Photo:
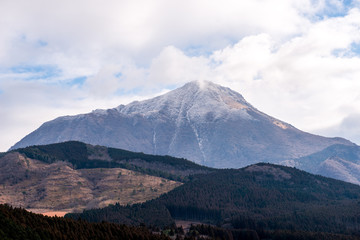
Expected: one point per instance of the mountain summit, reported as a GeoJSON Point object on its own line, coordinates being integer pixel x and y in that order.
{"type": "Point", "coordinates": [201, 121]}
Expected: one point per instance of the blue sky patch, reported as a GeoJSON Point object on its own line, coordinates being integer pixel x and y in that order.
{"type": "Point", "coordinates": [37, 71]}
{"type": "Point", "coordinates": [35, 43]}
{"type": "Point", "coordinates": [173, 86]}
{"type": "Point", "coordinates": [196, 51]}
{"type": "Point", "coordinates": [207, 50]}
{"type": "Point", "coordinates": [118, 75]}
{"type": "Point", "coordinates": [77, 81]}
{"type": "Point", "coordinates": [124, 92]}
{"type": "Point", "coordinates": [339, 52]}
{"type": "Point", "coordinates": [42, 43]}
{"type": "Point", "coordinates": [355, 48]}
{"type": "Point", "coordinates": [333, 10]}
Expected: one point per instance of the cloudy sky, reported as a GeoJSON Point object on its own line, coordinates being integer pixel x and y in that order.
{"type": "Point", "coordinates": [297, 60]}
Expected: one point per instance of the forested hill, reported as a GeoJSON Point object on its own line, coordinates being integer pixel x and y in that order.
{"type": "Point", "coordinates": [16, 223]}
{"type": "Point", "coordinates": [82, 155]}
{"type": "Point", "coordinates": [259, 197]}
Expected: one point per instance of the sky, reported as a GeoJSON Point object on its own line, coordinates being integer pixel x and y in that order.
{"type": "Point", "coordinates": [296, 60]}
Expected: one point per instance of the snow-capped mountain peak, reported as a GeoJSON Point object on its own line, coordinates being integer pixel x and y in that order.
{"type": "Point", "coordinates": [195, 99]}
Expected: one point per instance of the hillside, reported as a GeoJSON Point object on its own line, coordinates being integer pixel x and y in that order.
{"type": "Point", "coordinates": [16, 223]}
{"type": "Point", "coordinates": [72, 176]}
{"type": "Point", "coordinates": [259, 197]}
{"type": "Point", "coordinates": [81, 155]}
{"type": "Point", "coordinates": [58, 186]}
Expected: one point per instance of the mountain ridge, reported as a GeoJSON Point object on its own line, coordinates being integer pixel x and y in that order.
{"type": "Point", "coordinates": [201, 121]}
{"type": "Point", "coordinates": [337, 161]}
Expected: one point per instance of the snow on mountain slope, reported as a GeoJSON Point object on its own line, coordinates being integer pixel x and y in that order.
{"type": "Point", "coordinates": [201, 121]}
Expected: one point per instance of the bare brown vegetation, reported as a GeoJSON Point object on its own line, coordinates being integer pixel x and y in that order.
{"type": "Point", "coordinates": [42, 187]}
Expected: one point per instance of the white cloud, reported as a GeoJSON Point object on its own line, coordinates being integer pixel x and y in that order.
{"type": "Point", "coordinates": [104, 82]}
{"type": "Point", "coordinates": [138, 29]}
{"type": "Point", "coordinates": [290, 59]}
{"type": "Point", "coordinates": [173, 66]}
{"type": "Point", "coordinates": [348, 127]}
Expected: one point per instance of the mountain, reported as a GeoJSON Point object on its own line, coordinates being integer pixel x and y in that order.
{"type": "Point", "coordinates": [337, 161]}
{"type": "Point", "coordinates": [72, 176]}
{"type": "Point", "coordinates": [201, 121]}
{"type": "Point", "coordinates": [258, 197]}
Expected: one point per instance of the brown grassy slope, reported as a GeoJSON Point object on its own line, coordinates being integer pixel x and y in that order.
{"type": "Point", "coordinates": [46, 187]}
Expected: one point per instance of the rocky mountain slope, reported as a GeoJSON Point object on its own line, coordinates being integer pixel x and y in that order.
{"type": "Point", "coordinates": [337, 161]}
{"type": "Point", "coordinates": [201, 121]}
